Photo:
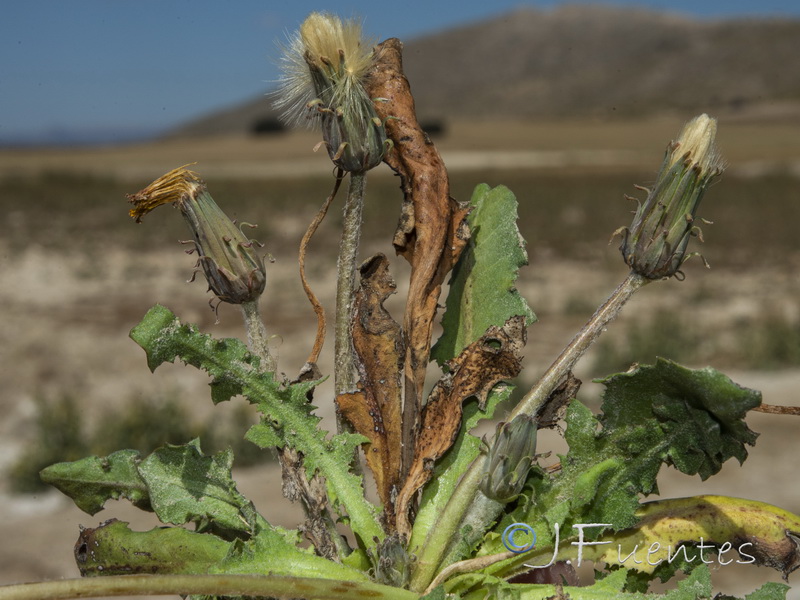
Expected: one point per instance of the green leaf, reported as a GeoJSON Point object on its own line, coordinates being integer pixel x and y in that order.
{"type": "Point", "coordinates": [653, 415]}
{"type": "Point", "coordinates": [187, 487]}
{"type": "Point", "coordinates": [701, 411]}
{"type": "Point", "coordinates": [482, 286]}
{"type": "Point", "coordinates": [91, 481]}
{"type": "Point", "coordinates": [113, 549]}
{"type": "Point", "coordinates": [697, 585]}
{"type": "Point", "coordinates": [287, 416]}
{"type": "Point", "coordinates": [436, 593]}
{"type": "Point", "coordinates": [769, 591]}
{"type": "Point", "coordinates": [164, 338]}
{"type": "Point", "coordinates": [271, 552]}
{"type": "Point", "coordinates": [664, 413]}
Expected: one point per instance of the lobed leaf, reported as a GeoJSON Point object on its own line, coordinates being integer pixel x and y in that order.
{"type": "Point", "coordinates": [287, 416]}
{"type": "Point", "coordinates": [188, 487]}
{"type": "Point", "coordinates": [484, 363]}
{"type": "Point", "coordinates": [375, 409]}
{"type": "Point", "coordinates": [700, 411]}
{"type": "Point", "coordinates": [653, 415]}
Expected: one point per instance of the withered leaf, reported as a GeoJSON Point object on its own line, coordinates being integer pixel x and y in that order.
{"type": "Point", "coordinates": [432, 231]}
{"type": "Point", "coordinates": [375, 410]}
{"type": "Point", "coordinates": [554, 409]}
{"type": "Point", "coordinates": [493, 358]}
{"type": "Point", "coordinates": [314, 498]}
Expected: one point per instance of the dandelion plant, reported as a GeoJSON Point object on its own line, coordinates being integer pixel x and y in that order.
{"type": "Point", "coordinates": [453, 516]}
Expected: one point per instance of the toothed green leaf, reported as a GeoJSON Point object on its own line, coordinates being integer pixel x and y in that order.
{"type": "Point", "coordinates": [653, 415]}
{"type": "Point", "coordinates": [482, 286]}
{"type": "Point", "coordinates": [187, 487]}
{"type": "Point", "coordinates": [287, 416]}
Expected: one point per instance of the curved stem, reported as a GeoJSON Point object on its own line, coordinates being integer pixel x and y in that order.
{"type": "Point", "coordinates": [454, 512]}
{"type": "Point", "coordinates": [212, 585]}
{"type": "Point", "coordinates": [313, 357]}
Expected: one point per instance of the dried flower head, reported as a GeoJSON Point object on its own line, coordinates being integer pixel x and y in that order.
{"type": "Point", "coordinates": [234, 270]}
{"type": "Point", "coordinates": [324, 67]}
{"type": "Point", "coordinates": [655, 244]}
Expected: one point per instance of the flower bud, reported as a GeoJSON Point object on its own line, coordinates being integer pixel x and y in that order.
{"type": "Point", "coordinates": [323, 79]}
{"type": "Point", "coordinates": [234, 270]}
{"type": "Point", "coordinates": [392, 562]}
{"type": "Point", "coordinates": [510, 459]}
{"type": "Point", "coordinates": [655, 244]}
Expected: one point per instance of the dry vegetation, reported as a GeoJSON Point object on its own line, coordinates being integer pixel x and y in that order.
{"type": "Point", "coordinates": [78, 274]}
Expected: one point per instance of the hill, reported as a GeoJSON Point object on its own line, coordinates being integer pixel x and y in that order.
{"type": "Point", "coordinates": [584, 60]}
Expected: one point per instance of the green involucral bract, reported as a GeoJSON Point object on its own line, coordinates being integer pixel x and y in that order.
{"type": "Point", "coordinates": [287, 416]}
{"type": "Point", "coordinates": [482, 286]}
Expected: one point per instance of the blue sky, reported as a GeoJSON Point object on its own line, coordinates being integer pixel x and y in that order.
{"type": "Point", "coordinates": [99, 67]}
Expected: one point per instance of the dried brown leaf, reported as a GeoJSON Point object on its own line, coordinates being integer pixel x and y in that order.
{"type": "Point", "coordinates": [375, 411]}
{"type": "Point", "coordinates": [493, 358]}
{"type": "Point", "coordinates": [313, 496]}
{"type": "Point", "coordinates": [432, 231]}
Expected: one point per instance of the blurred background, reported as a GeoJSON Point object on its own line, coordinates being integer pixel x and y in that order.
{"type": "Point", "coordinates": [569, 105]}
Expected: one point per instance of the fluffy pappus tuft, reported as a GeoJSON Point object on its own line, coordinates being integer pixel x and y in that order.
{"type": "Point", "coordinates": [325, 60]}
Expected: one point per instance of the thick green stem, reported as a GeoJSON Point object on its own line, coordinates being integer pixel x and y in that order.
{"type": "Point", "coordinates": [345, 374]}
{"type": "Point", "coordinates": [257, 338]}
{"type": "Point", "coordinates": [447, 525]}
{"type": "Point", "coordinates": [478, 518]}
{"type": "Point", "coordinates": [212, 585]}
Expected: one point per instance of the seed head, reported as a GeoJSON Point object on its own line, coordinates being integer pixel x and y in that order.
{"type": "Point", "coordinates": [234, 270]}
{"type": "Point", "coordinates": [655, 244]}
{"type": "Point", "coordinates": [324, 67]}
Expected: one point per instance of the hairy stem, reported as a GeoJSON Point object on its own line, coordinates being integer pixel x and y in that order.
{"type": "Point", "coordinates": [322, 529]}
{"type": "Point", "coordinates": [345, 374]}
{"type": "Point", "coordinates": [447, 525]}
{"type": "Point", "coordinates": [257, 338]}
{"type": "Point", "coordinates": [533, 401]}
{"type": "Point", "coordinates": [211, 585]}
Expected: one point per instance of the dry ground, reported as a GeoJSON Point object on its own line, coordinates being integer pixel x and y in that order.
{"type": "Point", "coordinates": [67, 308]}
